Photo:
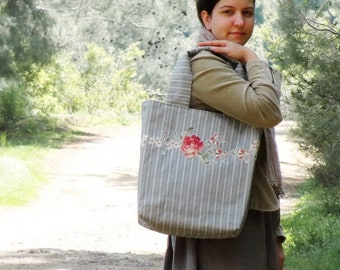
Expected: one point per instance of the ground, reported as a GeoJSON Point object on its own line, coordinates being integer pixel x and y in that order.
{"type": "Point", "coordinates": [86, 217]}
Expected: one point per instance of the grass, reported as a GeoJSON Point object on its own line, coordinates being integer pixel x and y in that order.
{"type": "Point", "coordinates": [313, 230]}
{"type": "Point", "coordinates": [21, 151]}
{"type": "Point", "coordinates": [20, 174]}
{"type": "Point", "coordinates": [42, 133]}
{"type": "Point", "coordinates": [319, 259]}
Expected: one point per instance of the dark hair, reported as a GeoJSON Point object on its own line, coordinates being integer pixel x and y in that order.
{"type": "Point", "coordinates": [207, 5]}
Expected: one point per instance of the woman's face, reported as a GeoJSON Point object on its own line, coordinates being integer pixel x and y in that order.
{"type": "Point", "coordinates": [232, 20]}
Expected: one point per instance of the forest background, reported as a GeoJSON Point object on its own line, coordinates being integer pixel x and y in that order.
{"type": "Point", "coordinates": [66, 62]}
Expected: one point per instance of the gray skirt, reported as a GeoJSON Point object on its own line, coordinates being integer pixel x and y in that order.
{"type": "Point", "coordinates": [254, 249]}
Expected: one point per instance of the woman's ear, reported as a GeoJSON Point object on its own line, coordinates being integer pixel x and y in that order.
{"type": "Point", "coordinates": [206, 19]}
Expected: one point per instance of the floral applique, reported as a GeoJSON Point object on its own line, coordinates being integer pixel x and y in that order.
{"type": "Point", "coordinates": [191, 145]}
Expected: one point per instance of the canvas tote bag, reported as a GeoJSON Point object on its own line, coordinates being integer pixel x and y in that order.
{"type": "Point", "coordinates": [196, 166]}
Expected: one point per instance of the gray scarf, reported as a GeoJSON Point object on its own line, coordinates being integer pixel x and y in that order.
{"type": "Point", "coordinates": [272, 164]}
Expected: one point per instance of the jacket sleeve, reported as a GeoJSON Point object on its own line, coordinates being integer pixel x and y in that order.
{"type": "Point", "coordinates": [281, 234]}
{"type": "Point", "coordinates": [217, 86]}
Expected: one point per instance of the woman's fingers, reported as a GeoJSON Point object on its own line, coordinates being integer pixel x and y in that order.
{"type": "Point", "coordinates": [231, 49]}
{"type": "Point", "coordinates": [217, 43]}
{"type": "Point", "coordinates": [217, 46]}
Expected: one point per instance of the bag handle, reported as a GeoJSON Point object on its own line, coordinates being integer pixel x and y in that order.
{"type": "Point", "coordinates": [180, 85]}
{"type": "Point", "coordinates": [179, 91]}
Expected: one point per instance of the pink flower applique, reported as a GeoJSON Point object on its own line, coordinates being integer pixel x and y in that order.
{"type": "Point", "coordinates": [192, 146]}
{"type": "Point", "coordinates": [219, 153]}
{"type": "Point", "coordinates": [242, 153]}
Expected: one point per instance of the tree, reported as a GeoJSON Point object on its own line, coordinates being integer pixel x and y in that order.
{"type": "Point", "coordinates": [109, 80]}
{"type": "Point", "coordinates": [307, 51]}
{"type": "Point", "coordinates": [25, 41]}
{"type": "Point", "coordinates": [25, 38]}
{"type": "Point", "coordinates": [163, 30]}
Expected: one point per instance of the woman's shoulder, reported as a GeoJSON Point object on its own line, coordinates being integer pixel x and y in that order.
{"type": "Point", "coordinates": [208, 58]}
{"type": "Point", "coordinates": [206, 54]}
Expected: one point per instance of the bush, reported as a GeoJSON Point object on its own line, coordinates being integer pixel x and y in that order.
{"type": "Point", "coordinates": [101, 84]}
{"type": "Point", "coordinates": [12, 106]}
{"type": "Point", "coordinates": [110, 81]}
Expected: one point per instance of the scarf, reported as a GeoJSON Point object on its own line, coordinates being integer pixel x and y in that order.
{"type": "Point", "coordinates": [272, 164]}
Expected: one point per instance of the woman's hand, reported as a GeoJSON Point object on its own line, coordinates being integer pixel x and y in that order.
{"type": "Point", "coordinates": [280, 253]}
{"type": "Point", "coordinates": [231, 49]}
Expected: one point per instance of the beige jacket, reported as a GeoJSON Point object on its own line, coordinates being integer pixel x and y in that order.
{"type": "Point", "coordinates": [217, 87]}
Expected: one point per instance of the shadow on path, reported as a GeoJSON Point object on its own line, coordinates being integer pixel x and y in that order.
{"type": "Point", "coordinates": [43, 259]}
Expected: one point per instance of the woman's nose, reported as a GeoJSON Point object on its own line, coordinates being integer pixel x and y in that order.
{"type": "Point", "coordinates": [239, 20]}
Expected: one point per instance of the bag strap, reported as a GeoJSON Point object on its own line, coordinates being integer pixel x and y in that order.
{"type": "Point", "coordinates": [180, 85]}
{"type": "Point", "coordinates": [179, 91]}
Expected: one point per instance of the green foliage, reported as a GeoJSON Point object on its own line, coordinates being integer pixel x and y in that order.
{"type": "Point", "coordinates": [163, 28]}
{"type": "Point", "coordinates": [25, 39]}
{"type": "Point", "coordinates": [12, 105]}
{"type": "Point", "coordinates": [127, 92]}
{"type": "Point", "coordinates": [313, 230]}
{"type": "Point", "coordinates": [170, 28]}
{"type": "Point", "coordinates": [321, 259]}
{"type": "Point", "coordinates": [103, 82]}
{"type": "Point", "coordinates": [71, 94]}
{"type": "Point", "coordinates": [109, 81]}
{"type": "Point", "coordinates": [3, 139]}
{"type": "Point", "coordinates": [43, 85]}
{"type": "Point", "coordinates": [307, 51]}
{"type": "Point", "coordinates": [25, 42]}
{"type": "Point", "coordinates": [99, 67]}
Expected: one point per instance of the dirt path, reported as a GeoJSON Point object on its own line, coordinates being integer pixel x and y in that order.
{"type": "Point", "coordinates": [85, 218]}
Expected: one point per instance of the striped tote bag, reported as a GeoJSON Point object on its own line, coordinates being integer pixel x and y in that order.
{"type": "Point", "coordinates": [196, 166]}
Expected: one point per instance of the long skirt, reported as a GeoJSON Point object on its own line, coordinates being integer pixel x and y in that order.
{"type": "Point", "coordinates": [254, 249]}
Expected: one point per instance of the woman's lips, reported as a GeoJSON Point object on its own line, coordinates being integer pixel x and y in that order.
{"type": "Point", "coordinates": [237, 33]}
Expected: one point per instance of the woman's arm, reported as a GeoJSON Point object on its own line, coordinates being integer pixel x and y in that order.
{"type": "Point", "coordinates": [216, 84]}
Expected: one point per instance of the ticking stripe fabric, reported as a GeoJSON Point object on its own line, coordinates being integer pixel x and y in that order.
{"type": "Point", "coordinates": [195, 167]}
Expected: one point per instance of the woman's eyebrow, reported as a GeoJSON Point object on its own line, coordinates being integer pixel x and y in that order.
{"type": "Point", "coordinates": [226, 6]}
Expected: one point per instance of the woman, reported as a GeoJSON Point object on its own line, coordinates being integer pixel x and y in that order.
{"type": "Point", "coordinates": [230, 78]}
